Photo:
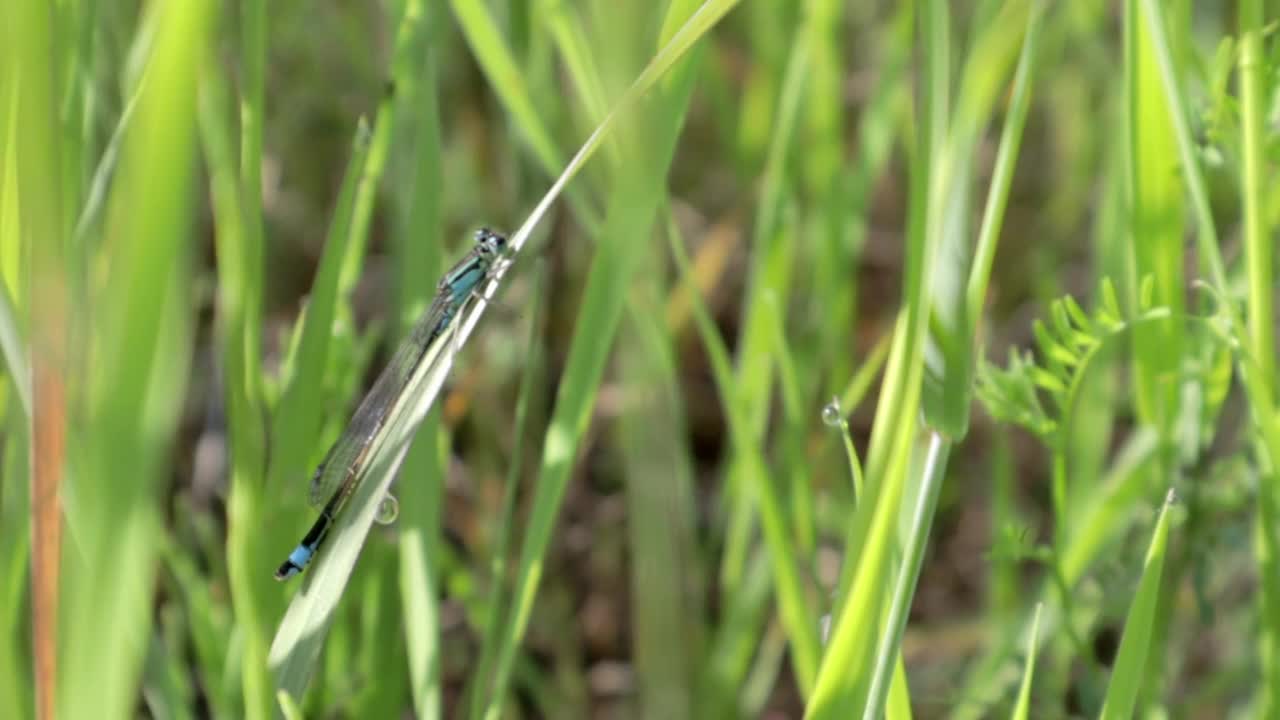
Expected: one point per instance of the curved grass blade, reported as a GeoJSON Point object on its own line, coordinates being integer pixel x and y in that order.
{"type": "Point", "coordinates": [925, 505]}
{"type": "Point", "coordinates": [298, 640]}
{"type": "Point", "coordinates": [498, 596]}
{"type": "Point", "coordinates": [1127, 676]}
{"type": "Point", "coordinates": [630, 214]}
{"type": "Point", "coordinates": [1024, 694]}
{"type": "Point", "coordinates": [297, 643]}
{"type": "Point", "coordinates": [294, 427]}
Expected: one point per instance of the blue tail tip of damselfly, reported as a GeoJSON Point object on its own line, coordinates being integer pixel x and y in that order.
{"type": "Point", "coordinates": [294, 564]}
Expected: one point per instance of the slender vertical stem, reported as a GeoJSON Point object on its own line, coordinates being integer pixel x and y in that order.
{"type": "Point", "coordinates": [1258, 262]}
{"type": "Point", "coordinates": [41, 218]}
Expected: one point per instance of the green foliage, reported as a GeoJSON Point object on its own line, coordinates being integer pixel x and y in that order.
{"type": "Point", "coordinates": [705, 448]}
{"type": "Point", "coordinates": [1020, 392]}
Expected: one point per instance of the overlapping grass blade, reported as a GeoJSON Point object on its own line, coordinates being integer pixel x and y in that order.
{"type": "Point", "coordinates": [419, 216]}
{"type": "Point", "coordinates": [1023, 707]}
{"type": "Point", "coordinates": [140, 345]}
{"type": "Point", "coordinates": [298, 640]}
{"type": "Point", "coordinates": [498, 600]}
{"type": "Point", "coordinates": [632, 207]}
{"type": "Point", "coordinates": [1130, 669]}
{"type": "Point", "coordinates": [843, 677]}
{"type": "Point", "coordinates": [239, 255]}
{"type": "Point", "coordinates": [296, 416]}
{"type": "Point", "coordinates": [799, 621]}
{"type": "Point", "coordinates": [932, 466]}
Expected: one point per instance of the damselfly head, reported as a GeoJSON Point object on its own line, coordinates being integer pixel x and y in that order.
{"type": "Point", "coordinates": [489, 242]}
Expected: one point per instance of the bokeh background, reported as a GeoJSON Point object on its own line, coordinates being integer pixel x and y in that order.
{"type": "Point", "coordinates": [671, 430]}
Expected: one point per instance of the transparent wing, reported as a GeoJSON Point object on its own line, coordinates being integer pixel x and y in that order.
{"type": "Point", "coordinates": [340, 467]}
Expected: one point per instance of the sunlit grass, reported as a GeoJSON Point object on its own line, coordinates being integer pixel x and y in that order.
{"type": "Point", "coordinates": [626, 488]}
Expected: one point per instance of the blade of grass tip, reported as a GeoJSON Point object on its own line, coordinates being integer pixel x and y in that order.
{"type": "Point", "coordinates": [833, 417]}
{"type": "Point", "coordinates": [1002, 174]}
{"type": "Point", "coordinates": [95, 201]}
{"type": "Point", "coordinates": [1131, 659]}
{"type": "Point", "coordinates": [296, 416]}
{"type": "Point", "coordinates": [1023, 706]}
{"type": "Point", "coordinates": [860, 383]}
{"type": "Point", "coordinates": [1102, 516]}
{"type": "Point", "coordinates": [679, 42]}
{"type": "Point", "coordinates": [405, 65]}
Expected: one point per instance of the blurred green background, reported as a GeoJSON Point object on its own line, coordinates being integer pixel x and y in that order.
{"type": "Point", "coordinates": [887, 359]}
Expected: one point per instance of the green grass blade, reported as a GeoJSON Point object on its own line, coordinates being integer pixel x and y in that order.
{"type": "Point", "coordinates": [503, 71]}
{"type": "Point", "coordinates": [37, 154]}
{"type": "Point", "coordinates": [1156, 197]}
{"type": "Point", "coordinates": [799, 621]}
{"type": "Point", "coordinates": [481, 690]}
{"type": "Point", "coordinates": [931, 472]}
{"type": "Point", "coordinates": [1130, 668]}
{"type": "Point", "coordinates": [1260, 269]}
{"type": "Point", "coordinates": [633, 205]}
{"type": "Point", "coordinates": [1002, 175]}
{"type": "Point", "coordinates": [16, 681]}
{"type": "Point", "coordinates": [843, 677]}
{"type": "Point", "coordinates": [406, 60]}
{"type": "Point", "coordinates": [298, 640]}
{"type": "Point", "coordinates": [141, 346]}
{"type": "Point", "coordinates": [421, 501]}
{"type": "Point", "coordinates": [296, 417]}
{"type": "Point", "coordinates": [948, 390]}
{"type": "Point", "coordinates": [239, 265]}
{"type": "Point", "coordinates": [773, 255]}
{"type": "Point", "coordinates": [1023, 707]}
